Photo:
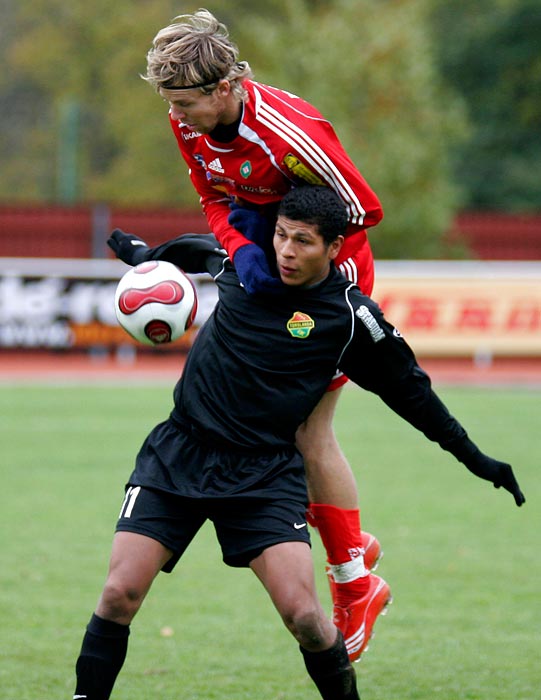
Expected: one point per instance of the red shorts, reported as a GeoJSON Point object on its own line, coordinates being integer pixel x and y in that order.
{"type": "Point", "coordinates": [356, 263]}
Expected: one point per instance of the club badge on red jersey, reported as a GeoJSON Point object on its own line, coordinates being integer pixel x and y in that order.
{"type": "Point", "coordinates": [246, 169]}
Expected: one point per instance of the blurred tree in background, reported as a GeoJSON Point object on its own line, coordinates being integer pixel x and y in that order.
{"type": "Point", "coordinates": [425, 95]}
{"type": "Point", "coordinates": [490, 53]}
{"type": "Point", "coordinates": [89, 54]}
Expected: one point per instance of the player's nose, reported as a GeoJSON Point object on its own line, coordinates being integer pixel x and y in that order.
{"type": "Point", "coordinates": [288, 249]}
{"type": "Point", "coordinates": [177, 113]}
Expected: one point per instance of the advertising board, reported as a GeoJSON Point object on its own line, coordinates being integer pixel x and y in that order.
{"type": "Point", "coordinates": [447, 309]}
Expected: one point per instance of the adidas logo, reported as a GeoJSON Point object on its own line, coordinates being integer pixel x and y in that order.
{"type": "Point", "coordinates": [216, 165]}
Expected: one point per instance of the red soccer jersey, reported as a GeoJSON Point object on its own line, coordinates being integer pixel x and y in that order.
{"type": "Point", "coordinates": [282, 141]}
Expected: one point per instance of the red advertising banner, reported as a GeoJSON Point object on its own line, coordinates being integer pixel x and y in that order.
{"type": "Point", "coordinates": [464, 309]}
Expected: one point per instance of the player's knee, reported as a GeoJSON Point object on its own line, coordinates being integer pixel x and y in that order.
{"type": "Point", "coordinates": [119, 601]}
{"type": "Point", "coordinates": [305, 625]}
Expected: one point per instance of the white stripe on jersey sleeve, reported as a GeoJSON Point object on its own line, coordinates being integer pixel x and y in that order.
{"type": "Point", "coordinates": [314, 155]}
{"type": "Point", "coordinates": [263, 88]}
{"type": "Point", "coordinates": [250, 135]}
{"type": "Point", "coordinates": [349, 270]}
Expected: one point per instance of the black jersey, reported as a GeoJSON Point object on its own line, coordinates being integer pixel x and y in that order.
{"type": "Point", "coordinates": [260, 364]}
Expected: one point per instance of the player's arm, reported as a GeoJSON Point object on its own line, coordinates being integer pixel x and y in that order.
{"type": "Point", "coordinates": [320, 159]}
{"type": "Point", "coordinates": [216, 209]}
{"type": "Point", "coordinates": [217, 212]}
{"type": "Point", "coordinates": [248, 257]}
{"type": "Point", "coordinates": [238, 231]}
{"type": "Point", "coordinates": [379, 360]}
{"type": "Point", "coordinates": [192, 252]}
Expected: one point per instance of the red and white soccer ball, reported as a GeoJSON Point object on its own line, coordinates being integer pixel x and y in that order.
{"type": "Point", "coordinates": [155, 302]}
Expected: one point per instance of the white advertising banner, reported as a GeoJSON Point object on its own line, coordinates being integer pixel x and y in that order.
{"type": "Point", "coordinates": [68, 304]}
{"type": "Point", "coordinates": [445, 309]}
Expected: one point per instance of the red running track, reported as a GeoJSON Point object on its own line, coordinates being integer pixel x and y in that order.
{"type": "Point", "coordinates": [68, 367]}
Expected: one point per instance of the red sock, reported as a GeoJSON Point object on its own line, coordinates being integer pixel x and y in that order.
{"type": "Point", "coordinates": [340, 532]}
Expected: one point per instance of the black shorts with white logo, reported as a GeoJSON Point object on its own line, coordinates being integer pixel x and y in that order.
{"type": "Point", "coordinates": [253, 501]}
{"type": "Point", "coordinates": [244, 529]}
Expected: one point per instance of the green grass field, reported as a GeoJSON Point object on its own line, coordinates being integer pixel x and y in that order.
{"type": "Point", "coordinates": [461, 558]}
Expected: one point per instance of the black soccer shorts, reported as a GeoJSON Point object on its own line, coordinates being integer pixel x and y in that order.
{"type": "Point", "coordinates": [244, 527]}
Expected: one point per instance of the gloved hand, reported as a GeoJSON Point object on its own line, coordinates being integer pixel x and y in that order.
{"type": "Point", "coordinates": [128, 247]}
{"type": "Point", "coordinates": [500, 473]}
{"type": "Point", "coordinates": [253, 271]}
{"type": "Point", "coordinates": [252, 224]}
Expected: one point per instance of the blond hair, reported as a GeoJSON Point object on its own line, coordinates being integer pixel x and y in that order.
{"type": "Point", "coordinates": [195, 50]}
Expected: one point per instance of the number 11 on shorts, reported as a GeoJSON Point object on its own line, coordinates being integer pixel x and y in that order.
{"type": "Point", "coordinates": [129, 501]}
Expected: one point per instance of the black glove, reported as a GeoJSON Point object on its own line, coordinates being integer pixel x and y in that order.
{"type": "Point", "coordinates": [499, 473]}
{"type": "Point", "coordinates": [253, 271]}
{"type": "Point", "coordinates": [129, 248]}
{"type": "Point", "coordinates": [252, 224]}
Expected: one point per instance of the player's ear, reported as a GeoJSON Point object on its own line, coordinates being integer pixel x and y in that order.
{"type": "Point", "coordinates": [335, 247]}
{"type": "Point", "coordinates": [223, 88]}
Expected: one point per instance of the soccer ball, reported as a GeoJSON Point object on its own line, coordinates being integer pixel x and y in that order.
{"type": "Point", "coordinates": [155, 302]}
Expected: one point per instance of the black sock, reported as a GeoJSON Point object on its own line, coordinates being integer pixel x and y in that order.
{"type": "Point", "coordinates": [332, 672]}
{"type": "Point", "coordinates": [102, 654]}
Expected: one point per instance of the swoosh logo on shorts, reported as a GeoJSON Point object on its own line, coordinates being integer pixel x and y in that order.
{"type": "Point", "coordinates": [298, 527]}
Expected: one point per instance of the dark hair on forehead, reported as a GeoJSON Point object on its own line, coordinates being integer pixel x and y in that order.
{"type": "Point", "coordinates": [318, 206]}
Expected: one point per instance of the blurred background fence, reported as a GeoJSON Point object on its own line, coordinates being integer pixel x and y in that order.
{"type": "Point", "coordinates": [46, 231]}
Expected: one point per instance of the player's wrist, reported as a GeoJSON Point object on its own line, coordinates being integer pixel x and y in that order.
{"type": "Point", "coordinates": [242, 248]}
{"type": "Point", "coordinates": [465, 450]}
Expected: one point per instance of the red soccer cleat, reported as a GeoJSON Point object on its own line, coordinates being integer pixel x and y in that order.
{"type": "Point", "coordinates": [357, 620]}
{"type": "Point", "coordinates": [372, 551]}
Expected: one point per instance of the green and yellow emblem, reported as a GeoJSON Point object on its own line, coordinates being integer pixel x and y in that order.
{"type": "Point", "coordinates": [246, 169]}
{"type": "Point", "coordinates": [300, 325]}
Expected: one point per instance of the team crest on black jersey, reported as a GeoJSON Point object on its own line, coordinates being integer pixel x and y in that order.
{"type": "Point", "coordinates": [300, 325]}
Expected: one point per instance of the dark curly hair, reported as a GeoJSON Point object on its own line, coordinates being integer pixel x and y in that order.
{"type": "Point", "coordinates": [319, 206]}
